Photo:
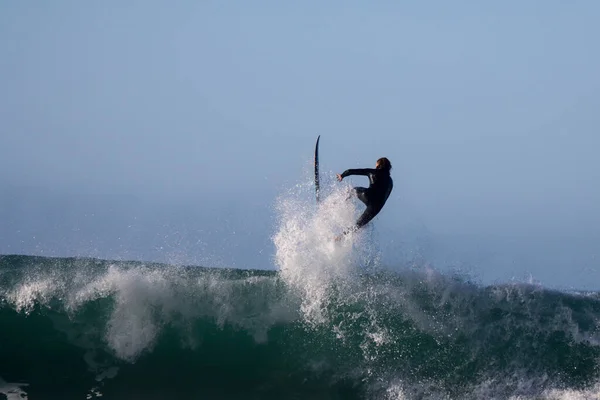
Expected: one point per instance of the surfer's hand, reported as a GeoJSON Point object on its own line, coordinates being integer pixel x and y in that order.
{"type": "Point", "coordinates": [339, 176]}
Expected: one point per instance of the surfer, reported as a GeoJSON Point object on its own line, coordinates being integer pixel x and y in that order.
{"type": "Point", "coordinates": [375, 195]}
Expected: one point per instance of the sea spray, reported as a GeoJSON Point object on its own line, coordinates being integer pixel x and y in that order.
{"type": "Point", "coordinates": [307, 255]}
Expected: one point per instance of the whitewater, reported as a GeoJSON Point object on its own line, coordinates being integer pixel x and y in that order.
{"type": "Point", "coordinates": [331, 322]}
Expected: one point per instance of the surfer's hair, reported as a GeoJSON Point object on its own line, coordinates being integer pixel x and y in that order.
{"type": "Point", "coordinates": [384, 163]}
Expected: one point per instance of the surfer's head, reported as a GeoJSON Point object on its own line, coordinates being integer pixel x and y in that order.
{"type": "Point", "coordinates": [383, 163]}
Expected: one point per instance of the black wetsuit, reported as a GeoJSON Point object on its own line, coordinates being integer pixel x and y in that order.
{"type": "Point", "coordinates": [374, 196]}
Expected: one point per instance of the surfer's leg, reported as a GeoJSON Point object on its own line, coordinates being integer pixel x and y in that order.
{"type": "Point", "coordinates": [369, 213]}
{"type": "Point", "coordinates": [361, 193]}
{"type": "Point", "coordinates": [366, 216]}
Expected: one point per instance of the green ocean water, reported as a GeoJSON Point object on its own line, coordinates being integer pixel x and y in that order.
{"type": "Point", "coordinates": [73, 328]}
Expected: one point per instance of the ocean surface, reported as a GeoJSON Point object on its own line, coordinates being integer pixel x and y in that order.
{"type": "Point", "coordinates": [330, 322]}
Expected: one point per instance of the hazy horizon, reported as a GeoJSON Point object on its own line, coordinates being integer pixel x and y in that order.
{"type": "Point", "coordinates": [192, 119]}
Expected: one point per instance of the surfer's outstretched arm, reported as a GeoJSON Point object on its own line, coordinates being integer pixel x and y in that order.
{"type": "Point", "coordinates": [361, 171]}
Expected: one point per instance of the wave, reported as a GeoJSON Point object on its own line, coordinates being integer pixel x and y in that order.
{"type": "Point", "coordinates": [329, 323]}
{"type": "Point", "coordinates": [73, 326]}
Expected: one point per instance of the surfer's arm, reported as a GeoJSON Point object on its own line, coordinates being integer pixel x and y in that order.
{"type": "Point", "coordinates": [362, 171]}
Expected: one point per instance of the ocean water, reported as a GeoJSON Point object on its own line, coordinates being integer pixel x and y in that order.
{"type": "Point", "coordinates": [331, 322]}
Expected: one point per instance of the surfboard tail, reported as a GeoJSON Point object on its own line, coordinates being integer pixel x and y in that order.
{"type": "Point", "coordinates": [317, 179]}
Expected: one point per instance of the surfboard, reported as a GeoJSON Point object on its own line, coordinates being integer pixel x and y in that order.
{"type": "Point", "coordinates": [317, 180]}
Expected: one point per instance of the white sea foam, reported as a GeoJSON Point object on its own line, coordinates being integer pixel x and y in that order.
{"type": "Point", "coordinates": [25, 296]}
{"type": "Point", "coordinates": [144, 300]}
{"type": "Point", "coordinates": [13, 391]}
{"type": "Point", "coordinates": [307, 255]}
{"type": "Point", "coordinates": [488, 390]}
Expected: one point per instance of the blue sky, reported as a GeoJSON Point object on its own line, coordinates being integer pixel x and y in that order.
{"type": "Point", "coordinates": [487, 112]}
